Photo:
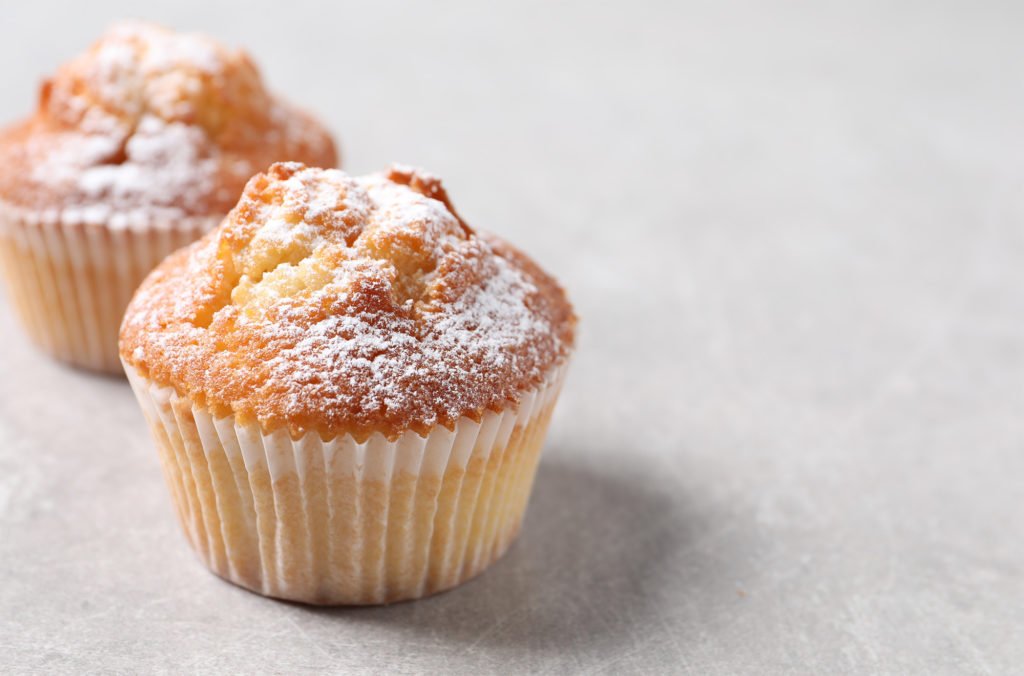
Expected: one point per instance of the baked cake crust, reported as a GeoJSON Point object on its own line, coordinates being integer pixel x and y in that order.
{"type": "Point", "coordinates": [335, 304]}
{"type": "Point", "coordinates": [151, 119]}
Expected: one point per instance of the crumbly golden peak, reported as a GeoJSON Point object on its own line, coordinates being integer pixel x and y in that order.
{"type": "Point", "coordinates": [348, 305]}
{"type": "Point", "coordinates": [149, 118]}
{"type": "Point", "coordinates": [139, 69]}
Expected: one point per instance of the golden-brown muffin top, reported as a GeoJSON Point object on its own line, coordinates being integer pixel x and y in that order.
{"type": "Point", "coordinates": [153, 120]}
{"type": "Point", "coordinates": [348, 305]}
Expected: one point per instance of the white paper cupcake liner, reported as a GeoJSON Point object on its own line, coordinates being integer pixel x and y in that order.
{"type": "Point", "coordinates": [70, 277]}
{"type": "Point", "coordinates": [343, 522]}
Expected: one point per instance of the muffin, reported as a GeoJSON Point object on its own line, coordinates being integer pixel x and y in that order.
{"type": "Point", "coordinates": [136, 148]}
{"type": "Point", "coordinates": [349, 387]}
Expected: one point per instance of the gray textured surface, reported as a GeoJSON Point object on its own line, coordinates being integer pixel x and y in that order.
{"type": "Point", "coordinates": [793, 437]}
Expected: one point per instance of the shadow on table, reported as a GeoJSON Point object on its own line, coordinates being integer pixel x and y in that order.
{"type": "Point", "coordinates": [593, 555]}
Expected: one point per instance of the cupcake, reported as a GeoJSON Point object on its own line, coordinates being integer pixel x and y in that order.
{"type": "Point", "coordinates": [137, 147]}
{"type": "Point", "coordinates": [348, 386]}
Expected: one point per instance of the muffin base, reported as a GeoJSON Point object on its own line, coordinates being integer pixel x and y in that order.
{"type": "Point", "coordinates": [70, 280]}
{"type": "Point", "coordinates": [342, 522]}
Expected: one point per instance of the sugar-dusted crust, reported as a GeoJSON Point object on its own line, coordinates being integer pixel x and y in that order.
{"type": "Point", "coordinates": [150, 119]}
{"type": "Point", "coordinates": [339, 305]}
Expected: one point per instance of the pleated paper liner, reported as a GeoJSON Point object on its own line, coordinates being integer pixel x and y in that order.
{"type": "Point", "coordinates": [340, 522]}
{"type": "Point", "coordinates": [70, 279]}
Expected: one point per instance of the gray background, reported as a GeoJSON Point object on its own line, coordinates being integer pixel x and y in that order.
{"type": "Point", "coordinates": [792, 438]}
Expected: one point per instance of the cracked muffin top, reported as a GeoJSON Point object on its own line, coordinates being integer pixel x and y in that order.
{"type": "Point", "coordinates": [337, 304]}
{"type": "Point", "coordinates": [150, 120]}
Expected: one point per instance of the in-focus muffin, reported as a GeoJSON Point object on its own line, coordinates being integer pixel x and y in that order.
{"type": "Point", "coordinates": [137, 147]}
{"type": "Point", "coordinates": [349, 387]}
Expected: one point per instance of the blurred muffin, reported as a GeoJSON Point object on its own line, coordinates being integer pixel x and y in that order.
{"type": "Point", "coordinates": [349, 387]}
{"type": "Point", "coordinates": [137, 147]}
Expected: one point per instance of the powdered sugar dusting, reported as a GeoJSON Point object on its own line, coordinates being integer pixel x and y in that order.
{"type": "Point", "coordinates": [405, 322]}
{"type": "Point", "coordinates": [138, 68]}
{"type": "Point", "coordinates": [161, 159]}
{"type": "Point", "coordinates": [379, 364]}
{"type": "Point", "coordinates": [153, 118]}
